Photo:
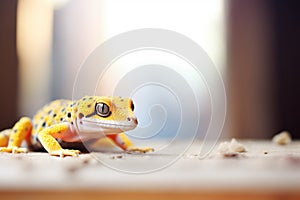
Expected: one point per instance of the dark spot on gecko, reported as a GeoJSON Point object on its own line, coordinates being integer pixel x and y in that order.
{"type": "Point", "coordinates": [69, 115]}
{"type": "Point", "coordinates": [63, 110]}
{"type": "Point", "coordinates": [44, 124]}
{"type": "Point", "coordinates": [72, 123]}
{"type": "Point", "coordinates": [49, 112]}
{"type": "Point", "coordinates": [84, 99]}
{"type": "Point", "coordinates": [89, 105]}
{"type": "Point", "coordinates": [122, 100]}
{"type": "Point", "coordinates": [91, 98]}
{"type": "Point", "coordinates": [54, 115]}
{"type": "Point", "coordinates": [15, 130]}
{"type": "Point", "coordinates": [61, 119]}
{"type": "Point", "coordinates": [80, 115]}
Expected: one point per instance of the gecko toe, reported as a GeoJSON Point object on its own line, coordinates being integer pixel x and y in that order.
{"type": "Point", "coordinates": [65, 152]}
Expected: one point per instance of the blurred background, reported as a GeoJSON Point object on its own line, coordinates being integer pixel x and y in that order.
{"type": "Point", "coordinates": [253, 44]}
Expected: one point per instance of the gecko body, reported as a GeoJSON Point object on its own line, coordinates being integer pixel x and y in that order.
{"type": "Point", "coordinates": [66, 121]}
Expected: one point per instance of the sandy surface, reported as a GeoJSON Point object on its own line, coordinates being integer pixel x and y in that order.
{"type": "Point", "coordinates": [264, 166]}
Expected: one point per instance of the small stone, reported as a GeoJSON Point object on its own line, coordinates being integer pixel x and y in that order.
{"type": "Point", "coordinates": [282, 138]}
{"type": "Point", "coordinates": [73, 168]}
{"type": "Point", "coordinates": [223, 147]}
{"type": "Point", "coordinates": [230, 154]}
{"type": "Point", "coordinates": [86, 161]}
{"type": "Point", "coordinates": [236, 147]}
{"type": "Point", "coordinates": [117, 156]}
{"type": "Point", "coordinates": [231, 149]}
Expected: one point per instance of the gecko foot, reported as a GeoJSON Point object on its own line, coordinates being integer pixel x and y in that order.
{"type": "Point", "coordinates": [65, 152]}
{"type": "Point", "coordinates": [139, 150]}
{"type": "Point", "coordinates": [13, 150]}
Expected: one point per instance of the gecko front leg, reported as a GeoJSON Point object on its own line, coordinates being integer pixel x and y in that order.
{"type": "Point", "coordinates": [47, 138]}
{"type": "Point", "coordinates": [122, 141]}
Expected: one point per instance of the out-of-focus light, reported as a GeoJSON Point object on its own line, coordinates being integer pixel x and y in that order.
{"type": "Point", "coordinates": [58, 4]}
{"type": "Point", "coordinates": [34, 46]}
{"type": "Point", "coordinates": [55, 4]}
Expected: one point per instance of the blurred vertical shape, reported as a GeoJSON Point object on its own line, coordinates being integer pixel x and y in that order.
{"type": "Point", "coordinates": [8, 63]}
{"type": "Point", "coordinates": [287, 64]}
{"type": "Point", "coordinates": [249, 69]}
{"type": "Point", "coordinates": [34, 44]}
{"type": "Point", "coordinates": [78, 28]}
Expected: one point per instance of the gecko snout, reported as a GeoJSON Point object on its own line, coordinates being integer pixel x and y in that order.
{"type": "Point", "coordinates": [132, 119]}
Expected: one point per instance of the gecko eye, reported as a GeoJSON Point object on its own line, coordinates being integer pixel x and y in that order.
{"type": "Point", "coordinates": [102, 110]}
{"type": "Point", "coordinates": [132, 106]}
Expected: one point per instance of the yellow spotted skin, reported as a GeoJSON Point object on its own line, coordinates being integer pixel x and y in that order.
{"type": "Point", "coordinates": [66, 121]}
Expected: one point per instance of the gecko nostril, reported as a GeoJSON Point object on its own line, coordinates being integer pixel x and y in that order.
{"type": "Point", "coordinates": [134, 119]}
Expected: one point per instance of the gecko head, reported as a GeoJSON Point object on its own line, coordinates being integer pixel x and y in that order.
{"type": "Point", "coordinates": [108, 115]}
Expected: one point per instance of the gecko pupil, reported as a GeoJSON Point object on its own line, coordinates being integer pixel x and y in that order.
{"type": "Point", "coordinates": [102, 109]}
{"type": "Point", "coordinates": [132, 106]}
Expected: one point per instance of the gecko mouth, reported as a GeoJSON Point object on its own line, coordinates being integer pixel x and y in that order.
{"type": "Point", "coordinates": [102, 125]}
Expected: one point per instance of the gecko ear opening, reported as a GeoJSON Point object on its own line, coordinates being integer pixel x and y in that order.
{"type": "Point", "coordinates": [102, 109]}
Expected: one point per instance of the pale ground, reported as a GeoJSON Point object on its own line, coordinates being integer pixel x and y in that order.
{"type": "Point", "coordinates": [264, 167]}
